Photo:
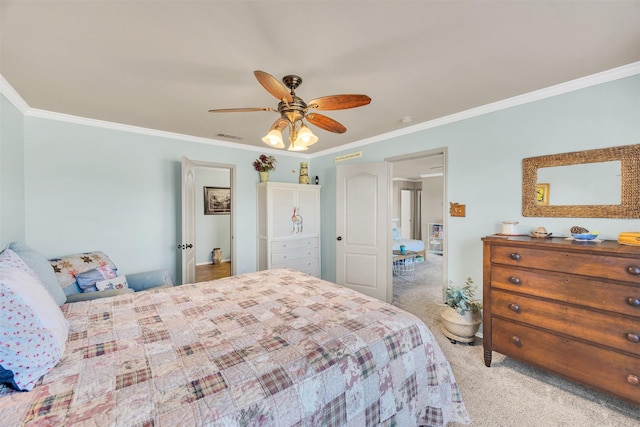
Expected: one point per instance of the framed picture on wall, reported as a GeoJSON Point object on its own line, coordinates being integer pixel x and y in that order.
{"type": "Point", "coordinates": [217, 200]}
{"type": "Point", "coordinates": [542, 194]}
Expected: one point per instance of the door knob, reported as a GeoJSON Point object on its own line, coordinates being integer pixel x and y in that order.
{"type": "Point", "coordinates": [339, 238]}
{"type": "Point", "coordinates": [189, 245]}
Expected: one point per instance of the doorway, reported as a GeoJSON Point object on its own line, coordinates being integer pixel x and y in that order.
{"type": "Point", "coordinates": [208, 201]}
{"type": "Point", "coordinates": [419, 200]}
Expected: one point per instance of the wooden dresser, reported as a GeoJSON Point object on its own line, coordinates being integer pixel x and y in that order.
{"type": "Point", "coordinates": [572, 308]}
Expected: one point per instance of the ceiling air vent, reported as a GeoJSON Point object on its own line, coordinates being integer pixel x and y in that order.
{"type": "Point", "coordinates": [224, 135]}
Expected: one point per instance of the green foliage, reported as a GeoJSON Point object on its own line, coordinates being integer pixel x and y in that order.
{"type": "Point", "coordinates": [461, 298]}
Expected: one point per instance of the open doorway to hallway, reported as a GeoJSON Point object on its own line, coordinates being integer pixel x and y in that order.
{"type": "Point", "coordinates": [419, 220]}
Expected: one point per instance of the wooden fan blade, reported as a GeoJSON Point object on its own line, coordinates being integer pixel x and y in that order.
{"type": "Point", "coordinates": [240, 110]}
{"type": "Point", "coordinates": [339, 102]}
{"type": "Point", "coordinates": [273, 86]}
{"type": "Point", "coordinates": [325, 123]}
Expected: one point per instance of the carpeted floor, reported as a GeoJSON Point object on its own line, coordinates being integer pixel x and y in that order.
{"type": "Point", "coordinates": [509, 393]}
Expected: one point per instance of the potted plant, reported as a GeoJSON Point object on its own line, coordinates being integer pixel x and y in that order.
{"type": "Point", "coordinates": [461, 316]}
{"type": "Point", "coordinates": [265, 164]}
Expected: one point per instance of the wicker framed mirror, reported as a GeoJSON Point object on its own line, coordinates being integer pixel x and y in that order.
{"type": "Point", "coordinates": [628, 157]}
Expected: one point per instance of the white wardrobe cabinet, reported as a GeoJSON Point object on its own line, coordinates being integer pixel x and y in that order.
{"type": "Point", "coordinates": [289, 227]}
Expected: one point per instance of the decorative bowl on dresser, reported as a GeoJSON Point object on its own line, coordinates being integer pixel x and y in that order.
{"type": "Point", "coordinates": [569, 307]}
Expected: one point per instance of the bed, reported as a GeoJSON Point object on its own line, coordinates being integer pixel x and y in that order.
{"type": "Point", "coordinates": [271, 348]}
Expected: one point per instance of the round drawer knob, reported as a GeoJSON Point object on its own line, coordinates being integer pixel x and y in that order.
{"type": "Point", "coordinates": [516, 340]}
{"type": "Point", "coordinates": [515, 256]}
{"type": "Point", "coordinates": [515, 280]}
{"type": "Point", "coordinates": [514, 307]}
{"type": "Point", "coordinates": [633, 269]}
{"type": "Point", "coordinates": [633, 379]}
{"type": "Point", "coordinates": [633, 301]}
{"type": "Point", "coordinates": [632, 337]}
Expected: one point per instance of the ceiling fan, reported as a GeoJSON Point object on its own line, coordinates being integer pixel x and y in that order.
{"type": "Point", "coordinates": [293, 110]}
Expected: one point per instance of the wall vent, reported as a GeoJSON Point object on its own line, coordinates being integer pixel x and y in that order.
{"type": "Point", "coordinates": [224, 135]}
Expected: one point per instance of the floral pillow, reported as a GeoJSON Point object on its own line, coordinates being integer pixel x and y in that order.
{"type": "Point", "coordinates": [34, 331]}
{"type": "Point", "coordinates": [119, 282]}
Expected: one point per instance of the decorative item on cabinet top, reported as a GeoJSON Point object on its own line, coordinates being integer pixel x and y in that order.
{"type": "Point", "coordinates": [304, 173]}
{"type": "Point", "coordinates": [265, 164]}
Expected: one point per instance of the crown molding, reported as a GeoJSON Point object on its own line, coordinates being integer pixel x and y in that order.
{"type": "Point", "coordinates": [14, 97]}
{"type": "Point", "coordinates": [595, 79]}
{"type": "Point", "coordinates": [548, 92]}
{"type": "Point", "coordinates": [44, 114]}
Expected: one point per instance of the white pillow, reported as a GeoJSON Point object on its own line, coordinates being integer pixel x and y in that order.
{"type": "Point", "coordinates": [28, 311]}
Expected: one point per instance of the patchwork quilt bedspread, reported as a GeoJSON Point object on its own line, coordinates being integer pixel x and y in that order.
{"type": "Point", "coordinates": [271, 348]}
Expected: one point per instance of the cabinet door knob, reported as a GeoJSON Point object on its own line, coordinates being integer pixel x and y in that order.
{"type": "Point", "coordinates": [515, 280]}
{"type": "Point", "coordinates": [514, 307]}
{"type": "Point", "coordinates": [515, 256]}
{"type": "Point", "coordinates": [632, 337]}
{"type": "Point", "coordinates": [633, 269]}
{"type": "Point", "coordinates": [339, 238]}
{"type": "Point", "coordinates": [516, 340]}
{"type": "Point", "coordinates": [633, 379]}
{"type": "Point", "coordinates": [633, 301]}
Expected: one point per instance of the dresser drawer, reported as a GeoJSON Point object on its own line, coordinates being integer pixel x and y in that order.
{"type": "Point", "coordinates": [284, 245]}
{"type": "Point", "coordinates": [602, 266]}
{"type": "Point", "coordinates": [619, 332]}
{"type": "Point", "coordinates": [289, 255]}
{"type": "Point", "coordinates": [590, 365]}
{"type": "Point", "coordinates": [312, 272]}
{"type": "Point", "coordinates": [298, 264]}
{"type": "Point", "coordinates": [568, 288]}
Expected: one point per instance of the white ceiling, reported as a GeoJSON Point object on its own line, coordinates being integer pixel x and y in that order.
{"type": "Point", "coordinates": [163, 64]}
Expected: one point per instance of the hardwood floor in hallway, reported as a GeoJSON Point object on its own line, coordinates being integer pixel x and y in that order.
{"type": "Point", "coordinates": [208, 272]}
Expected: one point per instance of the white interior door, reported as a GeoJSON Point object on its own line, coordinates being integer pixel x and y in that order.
{"type": "Point", "coordinates": [363, 226]}
{"type": "Point", "coordinates": [188, 243]}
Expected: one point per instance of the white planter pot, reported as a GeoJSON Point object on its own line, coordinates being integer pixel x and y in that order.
{"type": "Point", "coordinates": [460, 327]}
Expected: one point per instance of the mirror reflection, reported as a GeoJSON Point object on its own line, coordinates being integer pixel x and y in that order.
{"type": "Point", "coordinates": [583, 184]}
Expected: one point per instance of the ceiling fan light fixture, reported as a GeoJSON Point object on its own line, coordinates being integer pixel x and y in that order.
{"type": "Point", "coordinates": [305, 137]}
{"type": "Point", "coordinates": [294, 147]}
{"type": "Point", "coordinates": [274, 138]}
{"type": "Point", "coordinates": [293, 110]}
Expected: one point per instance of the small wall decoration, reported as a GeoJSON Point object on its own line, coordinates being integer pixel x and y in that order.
{"type": "Point", "coordinates": [542, 194]}
{"type": "Point", "coordinates": [456, 209]}
{"type": "Point", "coordinates": [217, 200]}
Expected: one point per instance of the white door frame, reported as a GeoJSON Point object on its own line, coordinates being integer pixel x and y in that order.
{"type": "Point", "coordinates": [445, 200]}
{"type": "Point", "coordinates": [190, 211]}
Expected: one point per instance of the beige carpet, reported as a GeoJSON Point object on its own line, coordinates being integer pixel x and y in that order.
{"type": "Point", "coordinates": [509, 393]}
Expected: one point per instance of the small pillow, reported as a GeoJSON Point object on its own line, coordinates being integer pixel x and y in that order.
{"type": "Point", "coordinates": [119, 282]}
{"type": "Point", "coordinates": [87, 280]}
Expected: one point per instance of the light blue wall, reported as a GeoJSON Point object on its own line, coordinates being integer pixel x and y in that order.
{"type": "Point", "coordinates": [88, 188]}
{"type": "Point", "coordinates": [484, 165]}
{"type": "Point", "coordinates": [91, 188]}
{"type": "Point", "coordinates": [12, 222]}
